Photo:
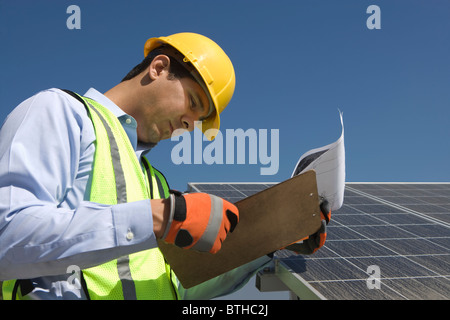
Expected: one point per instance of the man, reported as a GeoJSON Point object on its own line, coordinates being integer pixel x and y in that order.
{"type": "Point", "coordinates": [78, 195]}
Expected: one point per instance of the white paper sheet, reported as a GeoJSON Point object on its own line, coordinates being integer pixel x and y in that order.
{"type": "Point", "coordinates": [329, 164]}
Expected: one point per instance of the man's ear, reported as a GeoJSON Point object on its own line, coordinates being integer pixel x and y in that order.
{"type": "Point", "coordinates": [159, 65]}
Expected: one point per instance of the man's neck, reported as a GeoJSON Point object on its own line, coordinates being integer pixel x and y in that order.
{"type": "Point", "coordinates": [125, 95]}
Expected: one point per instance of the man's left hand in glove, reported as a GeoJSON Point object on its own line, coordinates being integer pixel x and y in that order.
{"type": "Point", "coordinates": [314, 242]}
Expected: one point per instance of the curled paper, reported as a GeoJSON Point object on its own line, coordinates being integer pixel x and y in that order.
{"type": "Point", "coordinates": [329, 164]}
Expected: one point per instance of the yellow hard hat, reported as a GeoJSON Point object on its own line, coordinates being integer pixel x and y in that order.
{"type": "Point", "coordinates": [213, 66]}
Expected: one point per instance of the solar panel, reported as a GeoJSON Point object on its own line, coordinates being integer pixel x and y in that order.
{"type": "Point", "coordinates": [232, 192]}
{"type": "Point", "coordinates": [388, 241]}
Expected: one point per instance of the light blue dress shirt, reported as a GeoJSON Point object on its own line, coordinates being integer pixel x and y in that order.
{"type": "Point", "coordinates": [47, 226]}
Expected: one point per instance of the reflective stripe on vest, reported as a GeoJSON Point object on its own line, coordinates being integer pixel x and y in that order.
{"type": "Point", "coordinates": [117, 177]}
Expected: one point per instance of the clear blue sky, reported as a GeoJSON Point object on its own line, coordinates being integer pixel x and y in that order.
{"type": "Point", "coordinates": [296, 63]}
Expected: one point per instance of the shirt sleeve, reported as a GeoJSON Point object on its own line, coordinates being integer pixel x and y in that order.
{"type": "Point", "coordinates": [46, 152]}
{"type": "Point", "coordinates": [226, 283]}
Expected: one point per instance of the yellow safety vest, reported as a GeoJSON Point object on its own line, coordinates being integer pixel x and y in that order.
{"type": "Point", "coordinates": [117, 177]}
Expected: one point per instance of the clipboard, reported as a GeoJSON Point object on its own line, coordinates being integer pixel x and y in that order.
{"type": "Point", "coordinates": [268, 220]}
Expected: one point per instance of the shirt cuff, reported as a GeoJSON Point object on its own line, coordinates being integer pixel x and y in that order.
{"type": "Point", "coordinates": [134, 224]}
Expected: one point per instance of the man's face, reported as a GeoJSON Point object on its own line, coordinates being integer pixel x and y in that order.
{"type": "Point", "coordinates": [173, 104]}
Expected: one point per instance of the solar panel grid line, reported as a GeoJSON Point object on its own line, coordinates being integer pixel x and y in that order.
{"type": "Point", "coordinates": [402, 227]}
{"type": "Point", "coordinates": [386, 281]}
{"type": "Point", "coordinates": [382, 239]}
{"type": "Point", "coordinates": [361, 264]}
{"type": "Point", "coordinates": [417, 236]}
{"type": "Point", "coordinates": [414, 236]}
{"type": "Point", "coordinates": [394, 254]}
{"type": "Point", "coordinates": [384, 278]}
{"type": "Point", "coordinates": [322, 285]}
{"type": "Point", "coordinates": [388, 256]}
{"type": "Point", "coordinates": [431, 288]}
{"type": "Point", "coordinates": [387, 225]}
{"type": "Point", "coordinates": [391, 282]}
{"type": "Point", "coordinates": [402, 184]}
{"type": "Point", "coordinates": [432, 229]}
{"type": "Point", "coordinates": [397, 253]}
{"type": "Point", "coordinates": [400, 207]}
{"type": "Point", "coordinates": [347, 259]}
{"type": "Point", "coordinates": [364, 278]}
{"type": "Point", "coordinates": [243, 194]}
{"type": "Point", "coordinates": [231, 191]}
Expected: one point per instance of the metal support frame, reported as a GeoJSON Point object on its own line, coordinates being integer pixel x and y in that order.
{"type": "Point", "coordinates": [279, 277]}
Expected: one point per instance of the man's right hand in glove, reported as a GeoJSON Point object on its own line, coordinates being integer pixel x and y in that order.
{"type": "Point", "coordinates": [199, 221]}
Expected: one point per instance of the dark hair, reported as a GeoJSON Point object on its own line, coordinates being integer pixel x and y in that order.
{"type": "Point", "coordinates": [177, 69]}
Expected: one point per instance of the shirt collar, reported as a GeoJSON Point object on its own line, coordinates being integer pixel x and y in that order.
{"type": "Point", "coordinates": [104, 101]}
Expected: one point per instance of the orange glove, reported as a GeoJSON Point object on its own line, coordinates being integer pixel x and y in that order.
{"type": "Point", "coordinates": [314, 242]}
{"type": "Point", "coordinates": [199, 221]}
